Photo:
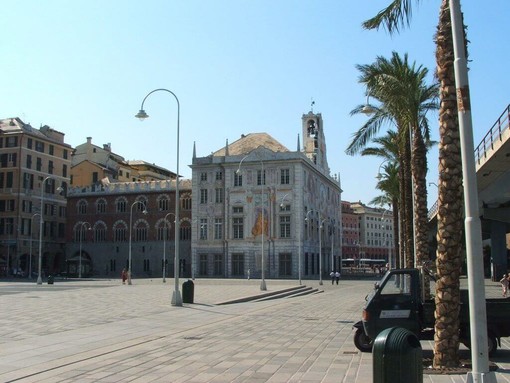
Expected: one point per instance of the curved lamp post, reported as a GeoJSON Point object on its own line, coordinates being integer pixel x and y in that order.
{"type": "Point", "coordinates": [41, 221]}
{"type": "Point", "coordinates": [164, 245]}
{"type": "Point", "coordinates": [130, 231]}
{"type": "Point", "coordinates": [176, 297]}
{"type": "Point", "coordinates": [82, 224]}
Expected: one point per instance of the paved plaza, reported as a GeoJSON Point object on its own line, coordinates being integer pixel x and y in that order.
{"type": "Point", "coordinates": [103, 331]}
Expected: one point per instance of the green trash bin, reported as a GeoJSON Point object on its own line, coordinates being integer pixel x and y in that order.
{"type": "Point", "coordinates": [188, 290]}
{"type": "Point", "coordinates": [397, 357]}
{"type": "Point", "coordinates": [51, 279]}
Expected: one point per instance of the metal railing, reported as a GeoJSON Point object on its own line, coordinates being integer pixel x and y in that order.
{"type": "Point", "coordinates": [494, 134]}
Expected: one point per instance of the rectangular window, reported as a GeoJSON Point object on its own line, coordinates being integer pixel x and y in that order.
{"type": "Point", "coordinates": [218, 265]}
{"type": "Point", "coordinates": [285, 176]}
{"type": "Point", "coordinates": [238, 179]}
{"type": "Point", "coordinates": [218, 228]}
{"type": "Point", "coordinates": [50, 167]}
{"type": "Point", "coordinates": [237, 264]}
{"type": "Point", "coordinates": [203, 176]}
{"type": "Point", "coordinates": [203, 196]}
{"type": "Point", "coordinates": [65, 154]}
{"type": "Point", "coordinates": [237, 210]}
{"type": "Point", "coordinates": [219, 195]}
{"type": "Point", "coordinates": [285, 265]}
{"type": "Point", "coordinates": [29, 161]}
{"type": "Point", "coordinates": [9, 180]}
{"type": "Point", "coordinates": [219, 175]}
{"type": "Point", "coordinates": [202, 270]}
{"type": "Point", "coordinates": [51, 150]}
{"type": "Point", "coordinates": [285, 226]}
{"type": "Point", "coordinates": [11, 142]}
{"type": "Point", "coordinates": [261, 177]}
{"type": "Point", "coordinates": [29, 143]}
{"type": "Point", "coordinates": [38, 165]}
{"type": "Point", "coordinates": [238, 228]}
{"type": "Point", "coordinates": [64, 170]}
{"type": "Point", "coordinates": [39, 146]}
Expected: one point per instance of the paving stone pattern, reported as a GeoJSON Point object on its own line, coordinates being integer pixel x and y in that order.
{"type": "Point", "coordinates": [103, 331]}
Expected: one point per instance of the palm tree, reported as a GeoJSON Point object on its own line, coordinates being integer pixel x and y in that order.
{"type": "Point", "coordinates": [388, 182]}
{"type": "Point", "coordinates": [400, 87]}
{"type": "Point", "coordinates": [396, 15]}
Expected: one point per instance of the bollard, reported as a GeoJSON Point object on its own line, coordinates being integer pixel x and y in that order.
{"type": "Point", "coordinates": [188, 290]}
{"type": "Point", "coordinates": [397, 357]}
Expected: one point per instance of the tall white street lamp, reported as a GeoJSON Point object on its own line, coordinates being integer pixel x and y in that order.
{"type": "Point", "coordinates": [321, 222]}
{"type": "Point", "coordinates": [144, 211]}
{"type": "Point", "coordinates": [164, 245]}
{"type": "Point", "coordinates": [263, 286]}
{"type": "Point", "coordinates": [31, 240]}
{"type": "Point", "coordinates": [41, 221]}
{"type": "Point", "coordinates": [473, 227]}
{"type": "Point", "coordinates": [176, 297]}
{"type": "Point", "coordinates": [82, 225]}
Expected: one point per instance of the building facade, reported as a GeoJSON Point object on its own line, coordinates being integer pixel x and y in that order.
{"type": "Point", "coordinates": [351, 245]}
{"type": "Point", "coordinates": [256, 203]}
{"type": "Point", "coordinates": [376, 232]}
{"type": "Point", "coordinates": [110, 224]}
{"type": "Point", "coordinates": [34, 176]}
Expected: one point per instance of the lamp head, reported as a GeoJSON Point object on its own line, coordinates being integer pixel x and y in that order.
{"type": "Point", "coordinates": [141, 115]}
{"type": "Point", "coordinates": [238, 171]}
{"type": "Point", "coordinates": [145, 211]}
{"type": "Point", "coordinates": [368, 110]}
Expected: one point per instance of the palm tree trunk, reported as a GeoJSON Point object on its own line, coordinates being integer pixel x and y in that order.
{"type": "Point", "coordinates": [396, 232]}
{"type": "Point", "coordinates": [419, 172]}
{"type": "Point", "coordinates": [402, 211]}
{"type": "Point", "coordinates": [408, 204]}
{"type": "Point", "coordinates": [450, 216]}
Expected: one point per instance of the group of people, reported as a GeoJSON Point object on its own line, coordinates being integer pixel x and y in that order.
{"type": "Point", "coordinates": [505, 282]}
{"type": "Point", "coordinates": [335, 276]}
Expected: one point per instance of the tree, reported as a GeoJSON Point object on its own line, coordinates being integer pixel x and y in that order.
{"type": "Point", "coordinates": [405, 101]}
{"type": "Point", "coordinates": [393, 17]}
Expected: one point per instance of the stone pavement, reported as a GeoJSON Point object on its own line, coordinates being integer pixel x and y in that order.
{"type": "Point", "coordinates": [103, 331]}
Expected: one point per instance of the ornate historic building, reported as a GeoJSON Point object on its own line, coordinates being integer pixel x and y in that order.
{"type": "Point", "coordinates": [255, 198]}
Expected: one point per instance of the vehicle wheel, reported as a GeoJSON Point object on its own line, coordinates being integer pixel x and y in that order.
{"type": "Point", "coordinates": [362, 341]}
{"type": "Point", "coordinates": [493, 345]}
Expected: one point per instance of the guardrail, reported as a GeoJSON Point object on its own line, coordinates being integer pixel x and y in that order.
{"type": "Point", "coordinates": [494, 133]}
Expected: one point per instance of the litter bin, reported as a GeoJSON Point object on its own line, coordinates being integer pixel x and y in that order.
{"type": "Point", "coordinates": [397, 357]}
{"type": "Point", "coordinates": [188, 290]}
{"type": "Point", "coordinates": [51, 279]}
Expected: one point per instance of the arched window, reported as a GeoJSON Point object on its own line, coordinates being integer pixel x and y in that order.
{"type": "Point", "coordinates": [101, 205]}
{"type": "Point", "coordinates": [120, 205]}
{"type": "Point", "coordinates": [143, 205]}
{"type": "Point", "coordinates": [120, 231]}
{"type": "Point", "coordinates": [141, 229]}
{"type": "Point", "coordinates": [100, 232]}
{"type": "Point", "coordinates": [82, 206]}
{"type": "Point", "coordinates": [164, 230]}
{"type": "Point", "coordinates": [163, 203]}
{"type": "Point", "coordinates": [186, 202]}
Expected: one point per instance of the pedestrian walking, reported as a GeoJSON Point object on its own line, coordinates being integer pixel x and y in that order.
{"type": "Point", "coordinates": [124, 276]}
{"type": "Point", "coordinates": [337, 276]}
{"type": "Point", "coordinates": [504, 284]}
{"type": "Point", "coordinates": [249, 272]}
{"type": "Point", "coordinates": [332, 275]}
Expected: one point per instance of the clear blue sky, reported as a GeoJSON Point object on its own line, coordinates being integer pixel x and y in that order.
{"type": "Point", "coordinates": [84, 66]}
